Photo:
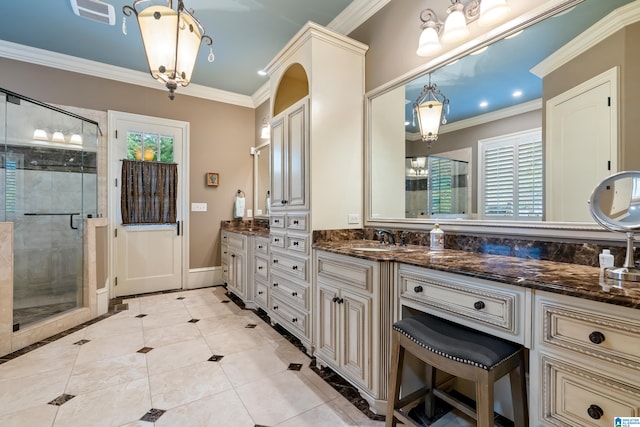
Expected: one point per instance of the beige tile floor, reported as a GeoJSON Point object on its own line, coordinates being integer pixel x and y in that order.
{"type": "Point", "coordinates": [114, 384]}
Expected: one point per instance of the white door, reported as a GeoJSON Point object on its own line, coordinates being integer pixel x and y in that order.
{"type": "Point", "coordinates": [581, 146]}
{"type": "Point", "coordinates": [146, 258]}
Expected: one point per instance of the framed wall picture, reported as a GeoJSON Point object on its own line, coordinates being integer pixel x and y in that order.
{"type": "Point", "coordinates": [213, 179]}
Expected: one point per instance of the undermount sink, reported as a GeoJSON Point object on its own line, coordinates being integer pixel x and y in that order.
{"type": "Point", "coordinates": [373, 249]}
{"type": "Point", "coordinates": [385, 249]}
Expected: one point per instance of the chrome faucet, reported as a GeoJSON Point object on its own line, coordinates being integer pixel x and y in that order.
{"type": "Point", "coordinates": [390, 238]}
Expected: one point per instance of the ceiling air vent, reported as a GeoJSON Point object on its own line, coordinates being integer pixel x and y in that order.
{"type": "Point", "coordinates": [95, 10]}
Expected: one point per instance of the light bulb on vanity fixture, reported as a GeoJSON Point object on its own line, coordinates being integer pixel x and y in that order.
{"type": "Point", "coordinates": [455, 28]}
{"type": "Point", "coordinates": [265, 132]}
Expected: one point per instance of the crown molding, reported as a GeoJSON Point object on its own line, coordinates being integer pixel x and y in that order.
{"type": "Point", "coordinates": [606, 27]}
{"type": "Point", "coordinates": [261, 95]}
{"type": "Point", "coordinates": [504, 113]}
{"type": "Point", "coordinates": [60, 61]}
{"type": "Point", "coordinates": [355, 15]}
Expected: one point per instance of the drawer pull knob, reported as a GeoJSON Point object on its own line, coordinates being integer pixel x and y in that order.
{"type": "Point", "coordinates": [296, 243]}
{"type": "Point", "coordinates": [294, 294]}
{"type": "Point", "coordinates": [596, 337]}
{"type": "Point", "coordinates": [260, 268]}
{"type": "Point", "coordinates": [418, 289]}
{"type": "Point", "coordinates": [340, 301]}
{"type": "Point", "coordinates": [233, 255]}
{"type": "Point", "coordinates": [260, 246]}
{"type": "Point", "coordinates": [260, 292]}
{"type": "Point", "coordinates": [595, 412]}
{"type": "Point", "coordinates": [295, 221]}
{"type": "Point", "coordinates": [276, 221]}
{"type": "Point", "coordinates": [276, 240]}
{"type": "Point", "coordinates": [275, 261]}
{"type": "Point", "coordinates": [275, 285]}
{"type": "Point", "coordinates": [295, 267]}
{"type": "Point", "coordinates": [275, 307]}
{"type": "Point", "coordinates": [335, 299]}
{"type": "Point", "coordinates": [294, 320]}
{"type": "Point", "coordinates": [478, 305]}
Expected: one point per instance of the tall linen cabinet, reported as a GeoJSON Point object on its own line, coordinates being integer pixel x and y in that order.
{"type": "Point", "coordinates": [316, 104]}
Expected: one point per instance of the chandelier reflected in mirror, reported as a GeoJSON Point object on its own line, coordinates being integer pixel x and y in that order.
{"type": "Point", "coordinates": [431, 109]}
{"type": "Point", "coordinates": [171, 41]}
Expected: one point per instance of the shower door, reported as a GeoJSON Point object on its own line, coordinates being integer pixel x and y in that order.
{"type": "Point", "coordinates": [49, 186]}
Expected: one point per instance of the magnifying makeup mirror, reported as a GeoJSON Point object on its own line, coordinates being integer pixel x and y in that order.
{"type": "Point", "coordinates": [615, 204]}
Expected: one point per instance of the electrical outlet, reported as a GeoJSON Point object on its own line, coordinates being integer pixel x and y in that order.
{"type": "Point", "coordinates": [353, 219]}
{"type": "Point", "coordinates": [198, 207]}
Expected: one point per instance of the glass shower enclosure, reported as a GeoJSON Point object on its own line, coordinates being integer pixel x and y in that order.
{"type": "Point", "coordinates": [48, 160]}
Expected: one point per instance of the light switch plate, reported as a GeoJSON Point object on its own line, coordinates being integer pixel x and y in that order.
{"type": "Point", "coordinates": [198, 207]}
{"type": "Point", "coordinates": [353, 219]}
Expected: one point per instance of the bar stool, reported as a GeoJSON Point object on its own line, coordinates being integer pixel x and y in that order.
{"type": "Point", "coordinates": [463, 353]}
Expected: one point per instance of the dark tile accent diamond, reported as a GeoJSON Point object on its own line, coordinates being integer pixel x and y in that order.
{"type": "Point", "coordinates": [194, 320]}
{"type": "Point", "coordinates": [295, 366]}
{"type": "Point", "coordinates": [140, 316]}
{"type": "Point", "coordinates": [62, 399]}
{"type": "Point", "coordinates": [152, 415]}
{"type": "Point", "coordinates": [251, 325]}
{"type": "Point", "coordinates": [215, 358]}
{"type": "Point", "coordinates": [145, 350]}
{"type": "Point", "coordinates": [180, 298]}
{"type": "Point", "coordinates": [81, 342]}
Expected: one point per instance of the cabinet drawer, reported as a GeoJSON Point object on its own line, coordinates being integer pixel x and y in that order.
{"type": "Point", "coordinates": [261, 266]}
{"type": "Point", "coordinates": [574, 396]}
{"type": "Point", "coordinates": [461, 298]}
{"type": "Point", "coordinates": [276, 221]}
{"type": "Point", "coordinates": [261, 246]}
{"type": "Point", "coordinates": [278, 240]}
{"type": "Point", "coordinates": [295, 267]}
{"type": "Point", "coordinates": [235, 240]}
{"type": "Point", "coordinates": [592, 333]}
{"type": "Point", "coordinates": [262, 295]}
{"type": "Point", "coordinates": [295, 294]}
{"type": "Point", "coordinates": [297, 222]}
{"type": "Point", "coordinates": [290, 317]}
{"type": "Point", "coordinates": [348, 271]}
{"type": "Point", "coordinates": [297, 243]}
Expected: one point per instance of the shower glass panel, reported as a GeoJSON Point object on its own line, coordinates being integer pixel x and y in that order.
{"type": "Point", "coordinates": [49, 176]}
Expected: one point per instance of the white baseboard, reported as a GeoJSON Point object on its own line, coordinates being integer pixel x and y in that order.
{"type": "Point", "coordinates": [203, 277]}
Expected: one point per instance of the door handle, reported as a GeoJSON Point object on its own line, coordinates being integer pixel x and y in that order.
{"type": "Point", "coordinates": [178, 227]}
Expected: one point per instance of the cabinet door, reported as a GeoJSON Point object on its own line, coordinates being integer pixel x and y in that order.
{"type": "Point", "coordinates": [356, 330]}
{"type": "Point", "coordinates": [327, 322]}
{"type": "Point", "coordinates": [278, 164]}
{"type": "Point", "coordinates": [236, 274]}
{"type": "Point", "coordinates": [297, 145]}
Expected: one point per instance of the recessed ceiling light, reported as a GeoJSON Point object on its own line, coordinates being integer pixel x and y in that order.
{"type": "Point", "coordinates": [262, 72]}
{"type": "Point", "coordinates": [517, 93]}
{"type": "Point", "coordinates": [479, 51]}
{"type": "Point", "coordinates": [484, 104]}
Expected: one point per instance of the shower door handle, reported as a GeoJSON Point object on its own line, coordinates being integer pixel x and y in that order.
{"type": "Point", "coordinates": [71, 221]}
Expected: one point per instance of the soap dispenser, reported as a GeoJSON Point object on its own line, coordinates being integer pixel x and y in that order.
{"type": "Point", "coordinates": [436, 238]}
{"type": "Point", "coordinates": [606, 259]}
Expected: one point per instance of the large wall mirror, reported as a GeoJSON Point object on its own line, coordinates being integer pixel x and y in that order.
{"type": "Point", "coordinates": [504, 155]}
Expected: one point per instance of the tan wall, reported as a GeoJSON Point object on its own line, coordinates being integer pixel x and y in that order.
{"type": "Point", "coordinates": [618, 50]}
{"type": "Point", "coordinates": [221, 135]}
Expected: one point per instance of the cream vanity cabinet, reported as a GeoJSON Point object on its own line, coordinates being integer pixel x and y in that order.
{"type": "Point", "coordinates": [316, 103]}
{"type": "Point", "coordinates": [352, 318]}
{"type": "Point", "coordinates": [585, 363]}
{"type": "Point", "coordinates": [235, 249]}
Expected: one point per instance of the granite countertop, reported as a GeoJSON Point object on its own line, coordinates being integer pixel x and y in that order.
{"type": "Point", "coordinates": [247, 228]}
{"type": "Point", "coordinates": [562, 278]}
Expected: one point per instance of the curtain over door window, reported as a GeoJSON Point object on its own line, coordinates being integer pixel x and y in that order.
{"type": "Point", "coordinates": [149, 191]}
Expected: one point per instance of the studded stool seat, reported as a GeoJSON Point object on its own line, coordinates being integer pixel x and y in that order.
{"type": "Point", "coordinates": [463, 353]}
